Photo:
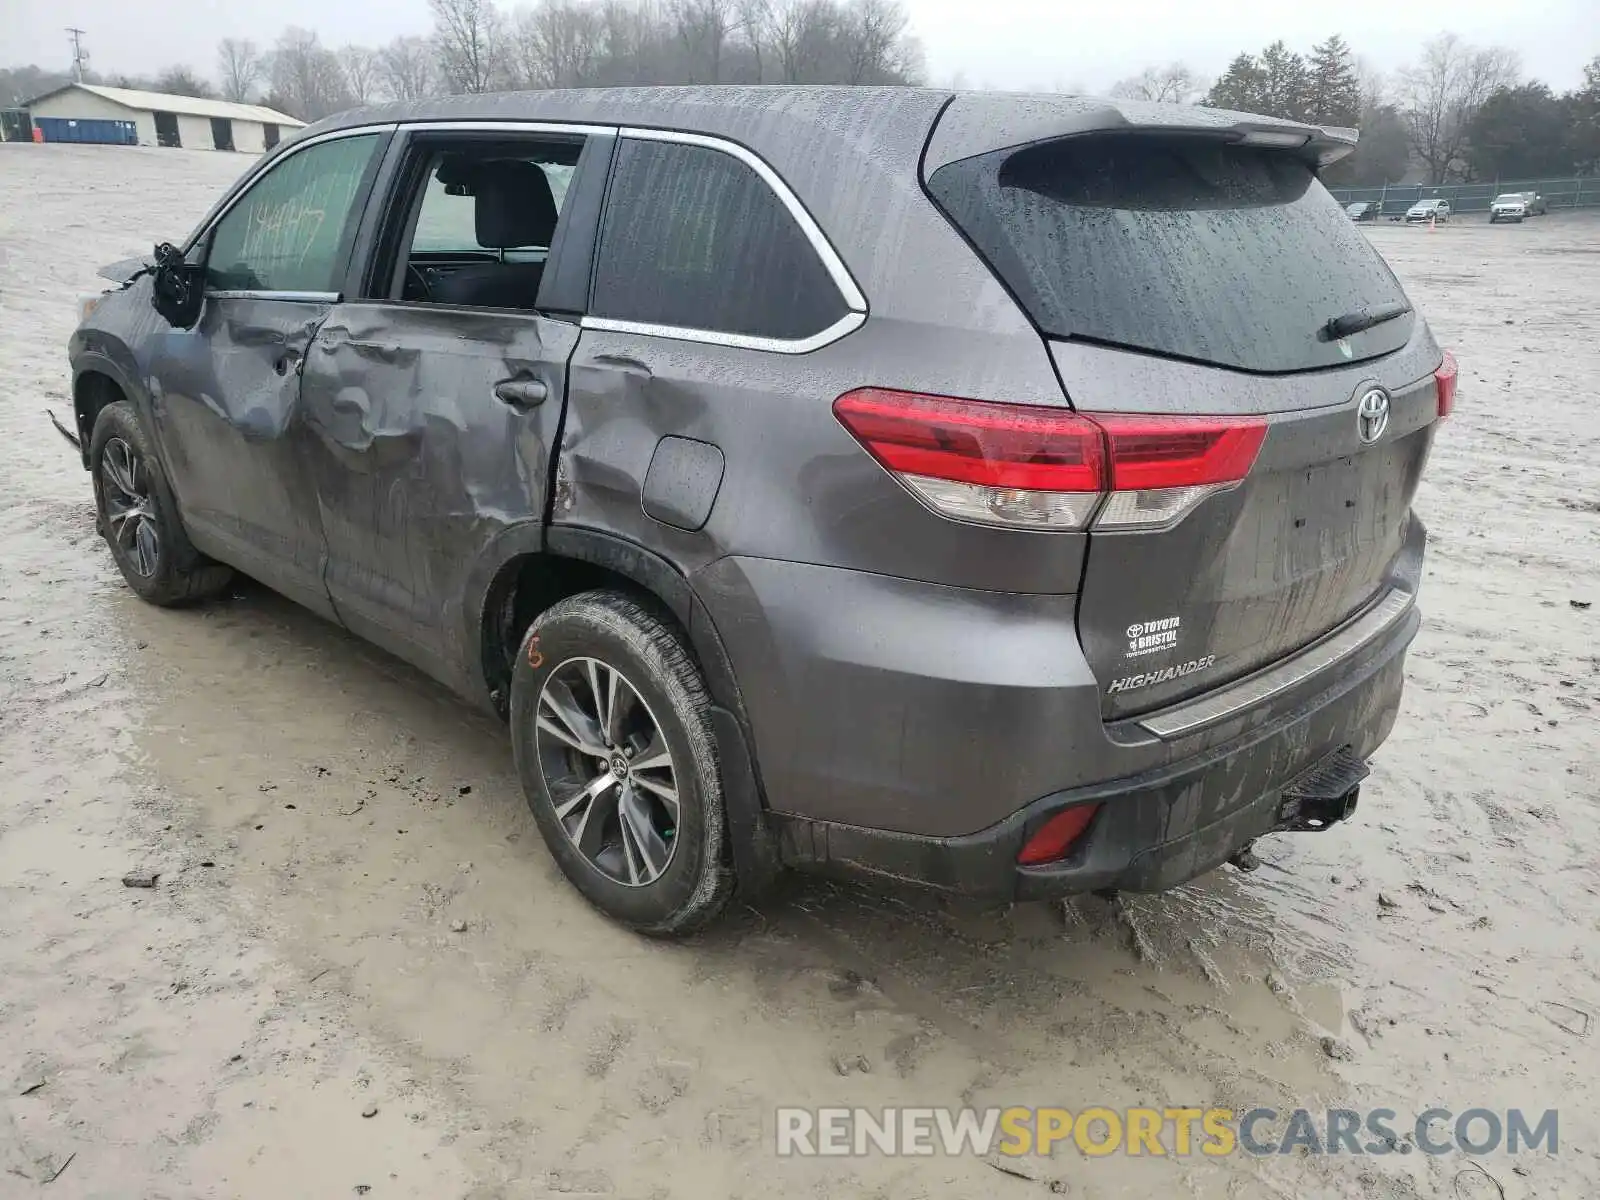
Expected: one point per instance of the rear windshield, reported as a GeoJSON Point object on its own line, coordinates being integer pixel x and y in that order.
{"type": "Point", "coordinates": [1185, 246]}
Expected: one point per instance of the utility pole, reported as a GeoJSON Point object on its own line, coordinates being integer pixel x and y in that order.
{"type": "Point", "coordinates": [79, 54]}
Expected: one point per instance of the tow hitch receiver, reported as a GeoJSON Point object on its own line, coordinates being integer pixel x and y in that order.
{"type": "Point", "coordinates": [1324, 795]}
{"type": "Point", "coordinates": [64, 431]}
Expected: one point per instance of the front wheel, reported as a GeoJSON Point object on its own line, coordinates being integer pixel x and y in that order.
{"type": "Point", "coordinates": [611, 730]}
{"type": "Point", "coordinates": [135, 515]}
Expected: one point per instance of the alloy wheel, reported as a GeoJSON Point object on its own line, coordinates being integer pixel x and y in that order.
{"type": "Point", "coordinates": [608, 771]}
{"type": "Point", "coordinates": [130, 507]}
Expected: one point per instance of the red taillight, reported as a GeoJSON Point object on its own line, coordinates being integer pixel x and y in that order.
{"type": "Point", "coordinates": [1049, 468]}
{"type": "Point", "coordinates": [1168, 452]}
{"type": "Point", "coordinates": [1445, 379]}
{"type": "Point", "coordinates": [973, 441]}
{"type": "Point", "coordinates": [1056, 836]}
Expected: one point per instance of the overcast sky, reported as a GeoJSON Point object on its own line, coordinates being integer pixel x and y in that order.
{"type": "Point", "coordinates": [991, 43]}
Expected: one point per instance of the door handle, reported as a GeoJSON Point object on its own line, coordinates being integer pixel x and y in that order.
{"type": "Point", "coordinates": [626, 361]}
{"type": "Point", "coordinates": [286, 363]}
{"type": "Point", "coordinates": [521, 394]}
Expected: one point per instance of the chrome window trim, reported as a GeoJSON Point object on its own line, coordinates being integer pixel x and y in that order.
{"type": "Point", "coordinates": [843, 280]}
{"type": "Point", "coordinates": [848, 323]}
{"type": "Point", "coordinates": [855, 301]}
{"type": "Point", "coordinates": [446, 125]}
{"type": "Point", "coordinates": [265, 168]}
{"type": "Point", "coordinates": [265, 294]}
{"type": "Point", "coordinates": [1235, 697]}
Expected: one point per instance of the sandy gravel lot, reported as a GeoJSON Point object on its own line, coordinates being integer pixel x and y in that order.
{"type": "Point", "coordinates": [321, 817]}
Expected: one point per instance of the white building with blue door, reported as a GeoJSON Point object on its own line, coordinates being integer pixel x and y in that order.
{"type": "Point", "coordinates": [88, 112]}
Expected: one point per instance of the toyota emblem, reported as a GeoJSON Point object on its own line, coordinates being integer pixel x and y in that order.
{"type": "Point", "coordinates": [1372, 415]}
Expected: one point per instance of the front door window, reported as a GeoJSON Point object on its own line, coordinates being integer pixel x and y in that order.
{"type": "Point", "coordinates": [290, 231]}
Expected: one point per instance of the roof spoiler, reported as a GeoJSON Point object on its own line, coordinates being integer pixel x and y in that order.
{"type": "Point", "coordinates": [979, 123]}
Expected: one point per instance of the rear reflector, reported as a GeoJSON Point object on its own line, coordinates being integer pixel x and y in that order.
{"type": "Point", "coordinates": [1445, 378]}
{"type": "Point", "coordinates": [1049, 468]}
{"type": "Point", "coordinates": [1055, 837]}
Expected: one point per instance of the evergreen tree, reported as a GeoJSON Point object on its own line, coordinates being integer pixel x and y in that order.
{"type": "Point", "coordinates": [1274, 85]}
{"type": "Point", "coordinates": [1334, 90]}
{"type": "Point", "coordinates": [1286, 86]}
{"type": "Point", "coordinates": [1520, 133]}
{"type": "Point", "coordinates": [1240, 87]}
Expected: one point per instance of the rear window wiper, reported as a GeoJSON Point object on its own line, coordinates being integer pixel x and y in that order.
{"type": "Point", "coordinates": [1363, 318]}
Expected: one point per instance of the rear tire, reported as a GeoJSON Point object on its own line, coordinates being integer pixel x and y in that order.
{"type": "Point", "coordinates": [611, 730]}
{"type": "Point", "coordinates": [135, 514]}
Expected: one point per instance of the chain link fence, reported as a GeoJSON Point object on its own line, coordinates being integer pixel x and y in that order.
{"type": "Point", "coordinates": [1394, 198]}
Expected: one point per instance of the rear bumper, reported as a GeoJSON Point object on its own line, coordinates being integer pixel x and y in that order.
{"type": "Point", "coordinates": [1154, 830]}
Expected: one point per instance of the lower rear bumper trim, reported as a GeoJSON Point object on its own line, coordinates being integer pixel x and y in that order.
{"type": "Point", "coordinates": [1217, 706]}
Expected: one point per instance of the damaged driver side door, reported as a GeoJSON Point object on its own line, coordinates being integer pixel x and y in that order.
{"type": "Point", "coordinates": [225, 395]}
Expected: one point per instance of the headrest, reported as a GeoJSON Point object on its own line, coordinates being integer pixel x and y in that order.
{"type": "Point", "coordinates": [514, 204]}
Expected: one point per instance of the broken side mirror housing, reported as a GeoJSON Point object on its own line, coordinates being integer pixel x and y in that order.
{"type": "Point", "coordinates": [177, 288]}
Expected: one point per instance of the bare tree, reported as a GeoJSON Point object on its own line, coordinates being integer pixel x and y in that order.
{"type": "Point", "coordinates": [405, 68]}
{"type": "Point", "coordinates": [629, 34]}
{"type": "Point", "coordinates": [755, 16]}
{"type": "Point", "coordinates": [874, 34]}
{"type": "Point", "coordinates": [556, 44]}
{"type": "Point", "coordinates": [307, 80]}
{"type": "Point", "coordinates": [181, 81]}
{"type": "Point", "coordinates": [240, 66]}
{"type": "Point", "coordinates": [704, 27]}
{"type": "Point", "coordinates": [1374, 85]}
{"type": "Point", "coordinates": [1174, 83]}
{"type": "Point", "coordinates": [803, 32]}
{"type": "Point", "coordinates": [360, 66]}
{"type": "Point", "coordinates": [468, 36]}
{"type": "Point", "coordinates": [1439, 95]}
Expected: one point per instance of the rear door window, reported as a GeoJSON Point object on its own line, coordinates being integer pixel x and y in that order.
{"type": "Point", "coordinates": [1185, 246]}
{"type": "Point", "coordinates": [447, 221]}
{"type": "Point", "coordinates": [694, 239]}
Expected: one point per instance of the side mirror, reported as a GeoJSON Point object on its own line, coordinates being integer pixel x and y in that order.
{"type": "Point", "coordinates": [177, 288]}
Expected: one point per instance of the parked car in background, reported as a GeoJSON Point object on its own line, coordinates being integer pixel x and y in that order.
{"type": "Point", "coordinates": [1509, 206]}
{"type": "Point", "coordinates": [1537, 206]}
{"type": "Point", "coordinates": [1428, 210]}
{"type": "Point", "coordinates": [1361, 210]}
{"type": "Point", "coordinates": [607, 409]}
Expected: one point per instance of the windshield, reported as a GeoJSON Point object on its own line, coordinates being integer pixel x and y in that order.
{"type": "Point", "coordinates": [1509, 198]}
{"type": "Point", "coordinates": [1187, 246]}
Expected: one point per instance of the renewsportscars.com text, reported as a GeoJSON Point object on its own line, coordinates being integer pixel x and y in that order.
{"type": "Point", "coordinates": [1214, 1132]}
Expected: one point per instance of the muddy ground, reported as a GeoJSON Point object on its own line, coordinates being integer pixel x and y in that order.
{"type": "Point", "coordinates": [322, 818]}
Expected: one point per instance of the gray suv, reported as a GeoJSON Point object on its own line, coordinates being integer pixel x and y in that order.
{"type": "Point", "coordinates": [1006, 494]}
